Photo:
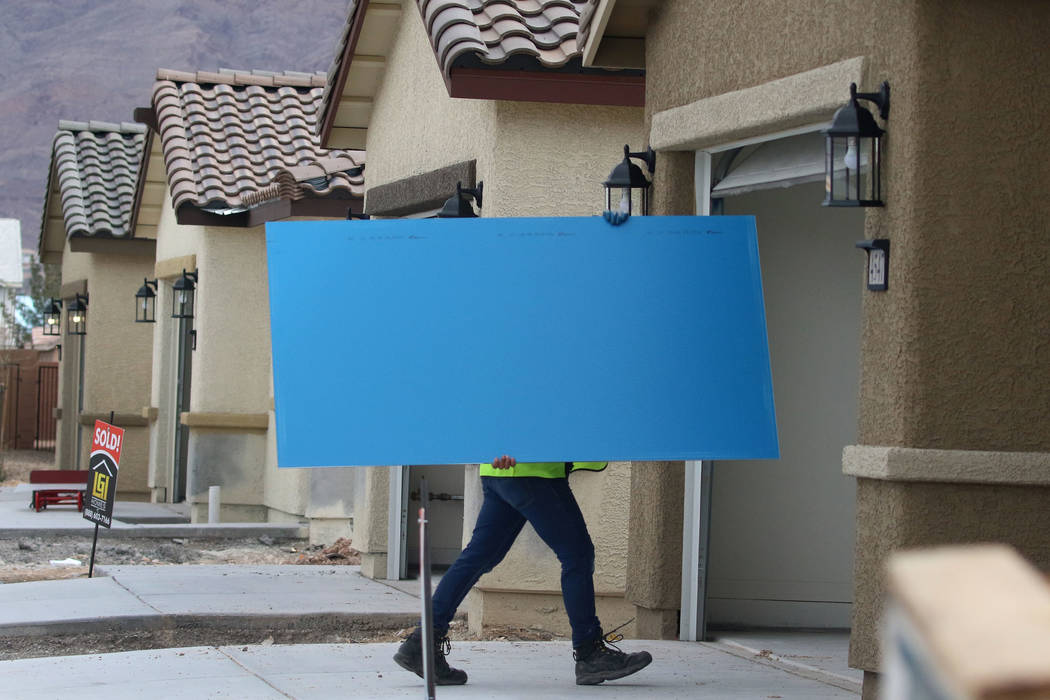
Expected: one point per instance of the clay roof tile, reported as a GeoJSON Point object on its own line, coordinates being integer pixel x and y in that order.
{"type": "Point", "coordinates": [227, 137]}
{"type": "Point", "coordinates": [95, 168]}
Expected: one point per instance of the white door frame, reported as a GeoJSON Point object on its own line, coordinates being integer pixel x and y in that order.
{"type": "Point", "coordinates": [396, 523]}
{"type": "Point", "coordinates": [697, 506]}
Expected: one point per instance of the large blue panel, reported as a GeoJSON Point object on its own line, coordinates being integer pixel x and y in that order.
{"type": "Point", "coordinates": [456, 340]}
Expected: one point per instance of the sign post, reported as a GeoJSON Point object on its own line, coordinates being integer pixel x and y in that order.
{"type": "Point", "coordinates": [427, 619]}
{"type": "Point", "coordinates": [102, 480]}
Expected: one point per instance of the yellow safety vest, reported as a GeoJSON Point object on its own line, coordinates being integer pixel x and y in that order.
{"type": "Point", "coordinates": [544, 470]}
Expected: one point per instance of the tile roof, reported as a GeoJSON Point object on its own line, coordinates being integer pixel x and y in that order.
{"type": "Point", "coordinates": [587, 10]}
{"type": "Point", "coordinates": [95, 169]}
{"type": "Point", "coordinates": [492, 31]}
{"type": "Point", "coordinates": [235, 139]}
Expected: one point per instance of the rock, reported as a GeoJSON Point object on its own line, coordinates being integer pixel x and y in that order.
{"type": "Point", "coordinates": [27, 547]}
{"type": "Point", "coordinates": [266, 540]}
{"type": "Point", "coordinates": [178, 540]}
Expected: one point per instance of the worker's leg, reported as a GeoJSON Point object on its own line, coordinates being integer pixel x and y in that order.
{"type": "Point", "coordinates": [551, 509]}
{"type": "Point", "coordinates": [497, 526]}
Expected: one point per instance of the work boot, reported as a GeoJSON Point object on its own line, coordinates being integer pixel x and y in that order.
{"type": "Point", "coordinates": [600, 660]}
{"type": "Point", "coordinates": [409, 656]}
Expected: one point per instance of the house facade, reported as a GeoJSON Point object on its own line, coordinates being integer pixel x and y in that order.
{"type": "Point", "coordinates": [947, 369]}
{"type": "Point", "coordinates": [440, 93]}
{"type": "Point", "coordinates": [234, 150]}
{"type": "Point", "coordinates": [93, 227]}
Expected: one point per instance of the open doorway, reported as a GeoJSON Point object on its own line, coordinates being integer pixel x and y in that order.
{"type": "Point", "coordinates": [445, 486]}
{"type": "Point", "coordinates": [181, 433]}
{"type": "Point", "coordinates": [781, 537]}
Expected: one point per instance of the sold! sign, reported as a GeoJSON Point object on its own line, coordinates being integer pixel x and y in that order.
{"type": "Point", "coordinates": [102, 481]}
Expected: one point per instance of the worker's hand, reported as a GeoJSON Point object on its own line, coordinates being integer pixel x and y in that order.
{"type": "Point", "coordinates": [616, 217]}
{"type": "Point", "coordinates": [504, 462]}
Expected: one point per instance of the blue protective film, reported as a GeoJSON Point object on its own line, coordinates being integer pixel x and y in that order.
{"type": "Point", "coordinates": [447, 341]}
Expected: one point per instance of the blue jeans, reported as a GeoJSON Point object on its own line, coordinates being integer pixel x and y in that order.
{"type": "Point", "coordinates": [548, 504]}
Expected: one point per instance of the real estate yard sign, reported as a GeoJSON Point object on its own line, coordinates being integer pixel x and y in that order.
{"type": "Point", "coordinates": [102, 481]}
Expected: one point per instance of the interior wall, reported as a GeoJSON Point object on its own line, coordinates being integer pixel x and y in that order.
{"type": "Point", "coordinates": [782, 530]}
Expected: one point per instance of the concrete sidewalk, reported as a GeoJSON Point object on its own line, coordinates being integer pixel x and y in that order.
{"type": "Point", "coordinates": [130, 519]}
{"type": "Point", "coordinates": [188, 605]}
{"type": "Point", "coordinates": [511, 670]}
{"type": "Point", "coordinates": [198, 629]}
{"type": "Point", "coordinates": [204, 623]}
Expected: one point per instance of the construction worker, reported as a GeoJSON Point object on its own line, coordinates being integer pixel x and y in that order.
{"type": "Point", "coordinates": [537, 493]}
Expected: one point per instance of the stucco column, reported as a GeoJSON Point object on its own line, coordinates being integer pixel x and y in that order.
{"type": "Point", "coordinates": [654, 544]}
{"type": "Point", "coordinates": [654, 547]}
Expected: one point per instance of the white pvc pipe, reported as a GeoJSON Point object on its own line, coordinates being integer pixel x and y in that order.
{"type": "Point", "coordinates": [214, 501]}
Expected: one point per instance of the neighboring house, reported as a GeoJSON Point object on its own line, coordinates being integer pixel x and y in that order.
{"type": "Point", "coordinates": [542, 135]}
{"type": "Point", "coordinates": [93, 228]}
{"type": "Point", "coordinates": [234, 150]}
{"type": "Point", "coordinates": [932, 396]}
{"type": "Point", "coordinates": [11, 280]}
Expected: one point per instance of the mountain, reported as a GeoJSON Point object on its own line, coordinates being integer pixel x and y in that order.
{"type": "Point", "coordinates": [97, 59]}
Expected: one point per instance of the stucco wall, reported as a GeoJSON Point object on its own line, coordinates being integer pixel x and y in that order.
{"type": "Point", "coordinates": [963, 177]}
{"type": "Point", "coordinates": [173, 241]}
{"type": "Point", "coordinates": [231, 366]}
{"type": "Point", "coordinates": [955, 355]}
{"type": "Point", "coordinates": [415, 126]}
{"type": "Point", "coordinates": [551, 159]}
{"type": "Point", "coordinates": [980, 211]}
{"type": "Point", "coordinates": [75, 266]}
{"type": "Point", "coordinates": [117, 358]}
{"type": "Point", "coordinates": [535, 160]}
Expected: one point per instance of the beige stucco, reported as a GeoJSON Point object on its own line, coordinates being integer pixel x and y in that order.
{"type": "Point", "coordinates": [116, 374]}
{"type": "Point", "coordinates": [415, 127]}
{"type": "Point", "coordinates": [955, 354]}
{"type": "Point", "coordinates": [232, 440]}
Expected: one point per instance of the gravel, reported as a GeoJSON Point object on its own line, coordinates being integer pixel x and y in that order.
{"type": "Point", "coordinates": [29, 558]}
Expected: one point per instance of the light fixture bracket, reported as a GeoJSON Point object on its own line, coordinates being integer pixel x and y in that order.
{"type": "Point", "coordinates": [881, 99]}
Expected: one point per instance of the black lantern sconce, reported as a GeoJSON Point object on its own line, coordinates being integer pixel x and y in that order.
{"type": "Point", "coordinates": [76, 315]}
{"type": "Point", "coordinates": [853, 151]}
{"type": "Point", "coordinates": [184, 291]}
{"type": "Point", "coordinates": [146, 302]}
{"type": "Point", "coordinates": [458, 205]}
{"type": "Point", "coordinates": [629, 179]}
{"type": "Point", "coordinates": [53, 317]}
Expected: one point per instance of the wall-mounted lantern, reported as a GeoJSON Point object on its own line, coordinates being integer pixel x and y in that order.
{"type": "Point", "coordinates": [184, 291]}
{"type": "Point", "coordinates": [53, 317]}
{"type": "Point", "coordinates": [458, 205]}
{"type": "Point", "coordinates": [630, 183]}
{"type": "Point", "coordinates": [146, 302]}
{"type": "Point", "coordinates": [76, 315]}
{"type": "Point", "coordinates": [853, 151]}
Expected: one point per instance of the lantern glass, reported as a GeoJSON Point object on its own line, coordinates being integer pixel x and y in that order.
{"type": "Point", "coordinates": [182, 303]}
{"type": "Point", "coordinates": [145, 309]}
{"type": "Point", "coordinates": [627, 187]}
{"type": "Point", "coordinates": [852, 171]}
{"type": "Point", "coordinates": [76, 318]}
{"type": "Point", "coordinates": [182, 297]}
{"type": "Point", "coordinates": [53, 319]}
{"type": "Point", "coordinates": [146, 303]}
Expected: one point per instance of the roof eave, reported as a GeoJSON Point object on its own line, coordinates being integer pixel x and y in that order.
{"type": "Point", "coordinates": [274, 210]}
{"type": "Point", "coordinates": [546, 86]}
{"type": "Point", "coordinates": [615, 34]}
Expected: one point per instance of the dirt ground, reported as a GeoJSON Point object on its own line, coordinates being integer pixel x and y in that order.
{"type": "Point", "coordinates": [47, 558]}
{"type": "Point", "coordinates": [15, 465]}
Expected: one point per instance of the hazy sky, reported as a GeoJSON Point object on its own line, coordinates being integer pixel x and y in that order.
{"type": "Point", "coordinates": [97, 59]}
